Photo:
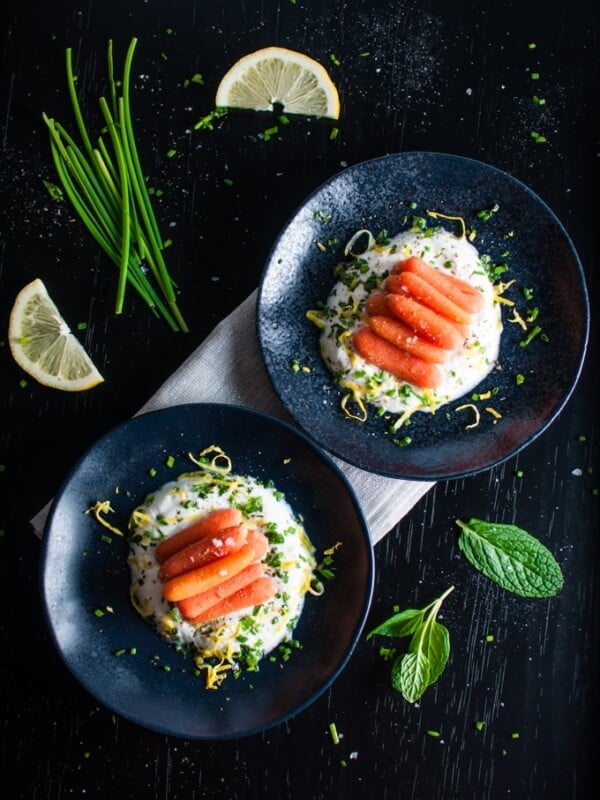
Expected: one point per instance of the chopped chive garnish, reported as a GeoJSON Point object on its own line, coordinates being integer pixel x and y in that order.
{"type": "Point", "coordinates": [335, 738]}
{"type": "Point", "coordinates": [170, 462]}
{"type": "Point", "coordinates": [530, 336]}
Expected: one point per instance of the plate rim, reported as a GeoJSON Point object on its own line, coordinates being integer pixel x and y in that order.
{"type": "Point", "coordinates": [366, 543]}
{"type": "Point", "coordinates": [585, 312]}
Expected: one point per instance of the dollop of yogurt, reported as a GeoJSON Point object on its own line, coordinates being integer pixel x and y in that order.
{"type": "Point", "coordinates": [239, 640]}
{"type": "Point", "coordinates": [344, 313]}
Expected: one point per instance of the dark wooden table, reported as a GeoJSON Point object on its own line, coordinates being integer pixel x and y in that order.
{"type": "Point", "coordinates": [449, 77]}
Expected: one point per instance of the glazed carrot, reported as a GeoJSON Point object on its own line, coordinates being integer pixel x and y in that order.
{"type": "Point", "coordinates": [259, 543]}
{"type": "Point", "coordinates": [459, 291]}
{"type": "Point", "coordinates": [424, 292]}
{"type": "Point", "coordinates": [193, 606]}
{"type": "Point", "coordinates": [406, 339]}
{"type": "Point", "coordinates": [209, 575]}
{"type": "Point", "coordinates": [205, 550]}
{"type": "Point", "coordinates": [387, 356]}
{"type": "Point", "coordinates": [212, 523]}
{"type": "Point", "coordinates": [255, 593]}
{"type": "Point", "coordinates": [377, 304]}
{"type": "Point", "coordinates": [423, 320]}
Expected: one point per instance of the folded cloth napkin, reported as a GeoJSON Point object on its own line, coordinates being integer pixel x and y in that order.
{"type": "Point", "coordinates": [228, 368]}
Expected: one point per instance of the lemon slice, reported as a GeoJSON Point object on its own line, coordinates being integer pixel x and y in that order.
{"type": "Point", "coordinates": [277, 75]}
{"type": "Point", "coordinates": [42, 344]}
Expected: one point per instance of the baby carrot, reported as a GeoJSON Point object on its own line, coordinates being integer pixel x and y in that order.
{"type": "Point", "coordinates": [406, 339]}
{"type": "Point", "coordinates": [423, 320]}
{"type": "Point", "coordinates": [205, 577]}
{"type": "Point", "coordinates": [259, 543]}
{"type": "Point", "coordinates": [193, 606]}
{"type": "Point", "coordinates": [377, 304]}
{"type": "Point", "coordinates": [424, 292]}
{"type": "Point", "coordinates": [255, 593]}
{"type": "Point", "coordinates": [212, 523]}
{"type": "Point", "coordinates": [459, 291]}
{"type": "Point", "coordinates": [204, 551]}
{"type": "Point", "coordinates": [390, 358]}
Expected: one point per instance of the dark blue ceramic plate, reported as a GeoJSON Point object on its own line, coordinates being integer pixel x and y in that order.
{"type": "Point", "coordinates": [84, 570]}
{"type": "Point", "coordinates": [522, 232]}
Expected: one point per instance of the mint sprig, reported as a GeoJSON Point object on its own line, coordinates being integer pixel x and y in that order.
{"type": "Point", "coordinates": [511, 557]}
{"type": "Point", "coordinates": [428, 650]}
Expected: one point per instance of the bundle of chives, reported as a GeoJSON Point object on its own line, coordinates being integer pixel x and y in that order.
{"type": "Point", "coordinates": [109, 193]}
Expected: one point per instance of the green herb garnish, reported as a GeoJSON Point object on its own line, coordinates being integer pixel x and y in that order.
{"type": "Point", "coordinates": [428, 651]}
{"type": "Point", "coordinates": [511, 557]}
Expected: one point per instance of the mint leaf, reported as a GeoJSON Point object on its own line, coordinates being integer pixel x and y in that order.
{"type": "Point", "coordinates": [511, 557]}
{"type": "Point", "coordinates": [404, 623]}
{"type": "Point", "coordinates": [428, 651]}
{"type": "Point", "coordinates": [410, 675]}
{"type": "Point", "coordinates": [437, 648]}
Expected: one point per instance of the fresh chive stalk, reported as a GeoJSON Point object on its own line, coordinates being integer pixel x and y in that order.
{"type": "Point", "coordinates": [106, 186]}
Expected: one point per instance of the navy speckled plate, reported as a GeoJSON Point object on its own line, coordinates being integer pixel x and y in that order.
{"type": "Point", "coordinates": [523, 233]}
{"type": "Point", "coordinates": [117, 656]}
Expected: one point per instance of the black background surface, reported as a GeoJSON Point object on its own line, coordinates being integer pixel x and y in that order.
{"type": "Point", "coordinates": [445, 77]}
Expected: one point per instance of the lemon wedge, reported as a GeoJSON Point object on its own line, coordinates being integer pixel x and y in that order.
{"type": "Point", "coordinates": [42, 344]}
{"type": "Point", "coordinates": [277, 75]}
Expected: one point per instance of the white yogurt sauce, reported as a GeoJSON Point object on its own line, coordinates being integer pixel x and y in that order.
{"type": "Point", "coordinates": [344, 313]}
{"type": "Point", "coordinates": [236, 641]}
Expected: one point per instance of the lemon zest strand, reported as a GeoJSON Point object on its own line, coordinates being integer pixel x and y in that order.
{"type": "Point", "coordinates": [103, 507]}
{"type": "Point", "coordinates": [477, 415]}
{"type": "Point", "coordinates": [438, 214]}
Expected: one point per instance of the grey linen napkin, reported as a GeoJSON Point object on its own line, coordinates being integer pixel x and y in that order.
{"type": "Point", "coordinates": [228, 368]}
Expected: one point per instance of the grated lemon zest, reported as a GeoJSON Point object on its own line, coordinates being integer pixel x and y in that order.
{"type": "Point", "coordinates": [103, 507]}
{"type": "Point", "coordinates": [438, 214]}
{"type": "Point", "coordinates": [349, 310]}
{"type": "Point", "coordinates": [475, 410]}
{"type": "Point", "coordinates": [354, 394]}
{"type": "Point", "coordinates": [331, 550]}
{"type": "Point", "coordinates": [215, 673]}
{"type": "Point", "coordinates": [494, 413]}
{"type": "Point", "coordinates": [355, 237]}
{"type": "Point", "coordinates": [139, 517]}
{"type": "Point", "coordinates": [405, 416]}
{"type": "Point", "coordinates": [143, 609]}
{"type": "Point", "coordinates": [516, 317]}
{"type": "Point", "coordinates": [218, 455]}
{"type": "Point", "coordinates": [316, 317]}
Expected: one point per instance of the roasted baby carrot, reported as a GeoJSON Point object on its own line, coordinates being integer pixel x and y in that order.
{"type": "Point", "coordinates": [259, 543]}
{"type": "Point", "coordinates": [212, 523]}
{"type": "Point", "coordinates": [428, 323]}
{"type": "Point", "coordinates": [404, 337]}
{"type": "Point", "coordinates": [377, 304]}
{"type": "Point", "coordinates": [459, 291]}
{"type": "Point", "coordinates": [204, 578]}
{"type": "Point", "coordinates": [390, 358]}
{"type": "Point", "coordinates": [424, 292]}
{"type": "Point", "coordinates": [193, 606]}
{"type": "Point", "coordinates": [205, 550]}
{"type": "Point", "coordinates": [255, 593]}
